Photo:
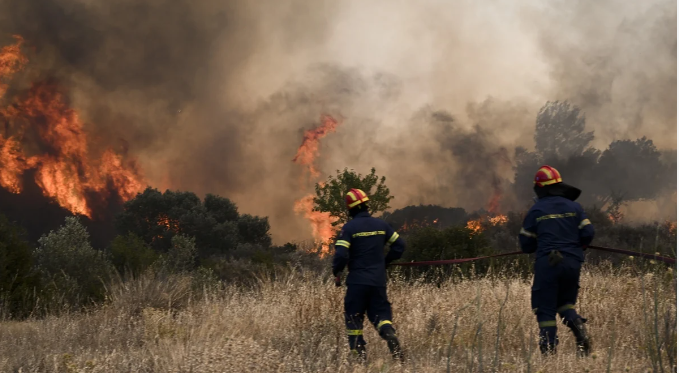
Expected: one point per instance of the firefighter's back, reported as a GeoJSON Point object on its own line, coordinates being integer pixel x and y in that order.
{"type": "Point", "coordinates": [366, 255]}
{"type": "Point", "coordinates": [558, 226]}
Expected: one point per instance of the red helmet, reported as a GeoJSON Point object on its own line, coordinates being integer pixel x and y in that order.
{"type": "Point", "coordinates": [547, 175]}
{"type": "Point", "coordinates": [355, 197]}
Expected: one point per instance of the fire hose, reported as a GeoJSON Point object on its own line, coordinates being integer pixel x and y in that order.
{"type": "Point", "coordinates": [665, 259]}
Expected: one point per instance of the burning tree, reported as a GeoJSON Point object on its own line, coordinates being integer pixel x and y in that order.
{"type": "Point", "coordinates": [330, 194]}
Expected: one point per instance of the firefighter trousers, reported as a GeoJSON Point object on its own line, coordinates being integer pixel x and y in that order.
{"type": "Point", "coordinates": [555, 290]}
{"type": "Point", "coordinates": [359, 301]}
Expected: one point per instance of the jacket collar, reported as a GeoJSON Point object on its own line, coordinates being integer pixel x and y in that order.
{"type": "Point", "coordinates": [362, 214]}
{"type": "Point", "coordinates": [558, 190]}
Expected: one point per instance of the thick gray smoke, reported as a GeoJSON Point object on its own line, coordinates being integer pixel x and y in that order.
{"type": "Point", "coordinates": [214, 96]}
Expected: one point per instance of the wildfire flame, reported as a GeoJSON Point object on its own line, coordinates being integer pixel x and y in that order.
{"type": "Point", "coordinates": [480, 224]}
{"type": "Point", "coordinates": [321, 222]}
{"type": "Point", "coordinates": [170, 224]}
{"type": "Point", "coordinates": [497, 220]}
{"type": "Point", "coordinates": [308, 151]}
{"type": "Point", "coordinates": [42, 124]}
{"type": "Point", "coordinates": [474, 226]}
{"type": "Point", "coordinates": [493, 218]}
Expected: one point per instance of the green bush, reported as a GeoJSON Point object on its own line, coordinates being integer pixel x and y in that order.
{"type": "Point", "coordinates": [70, 269]}
{"type": "Point", "coordinates": [130, 254]}
{"type": "Point", "coordinates": [430, 243]}
{"type": "Point", "coordinates": [182, 256]}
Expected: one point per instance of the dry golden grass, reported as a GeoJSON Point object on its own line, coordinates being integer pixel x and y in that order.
{"type": "Point", "coordinates": [295, 324]}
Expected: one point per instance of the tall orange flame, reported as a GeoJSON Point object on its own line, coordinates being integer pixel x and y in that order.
{"type": "Point", "coordinates": [321, 222]}
{"type": "Point", "coordinates": [66, 169]}
{"type": "Point", "coordinates": [308, 151]}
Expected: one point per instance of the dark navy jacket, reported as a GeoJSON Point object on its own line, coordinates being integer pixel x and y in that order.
{"type": "Point", "coordinates": [361, 245]}
{"type": "Point", "coordinates": [556, 223]}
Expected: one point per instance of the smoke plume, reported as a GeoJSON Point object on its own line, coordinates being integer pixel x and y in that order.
{"type": "Point", "coordinates": [215, 96]}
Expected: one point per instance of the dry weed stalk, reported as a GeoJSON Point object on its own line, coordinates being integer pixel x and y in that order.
{"type": "Point", "coordinates": [293, 323]}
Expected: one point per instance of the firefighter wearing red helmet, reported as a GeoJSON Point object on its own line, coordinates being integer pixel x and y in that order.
{"type": "Point", "coordinates": [557, 230]}
{"type": "Point", "coordinates": [360, 247]}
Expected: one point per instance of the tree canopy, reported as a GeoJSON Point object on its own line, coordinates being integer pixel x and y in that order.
{"type": "Point", "coordinates": [215, 223]}
{"type": "Point", "coordinates": [560, 131]}
{"type": "Point", "coordinates": [331, 193]}
{"type": "Point", "coordinates": [627, 170]}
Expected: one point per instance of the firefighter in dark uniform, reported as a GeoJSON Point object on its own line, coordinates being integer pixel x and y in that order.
{"type": "Point", "coordinates": [557, 230]}
{"type": "Point", "coordinates": [360, 247]}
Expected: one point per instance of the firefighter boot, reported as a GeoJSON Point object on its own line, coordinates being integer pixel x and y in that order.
{"type": "Point", "coordinates": [360, 353]}
{"type": "Point", "coordinates": [548, 349]}
{"type": "Point", "coordinates": [582, 340]}
{"type": "Point", "coordinates": [389, 334]}
{"type": "Point", "coordinates": [548, 340]}
{"type": "Point", "coordinates": [358, 350]}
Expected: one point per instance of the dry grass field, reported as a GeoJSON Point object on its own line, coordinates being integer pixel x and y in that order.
{"type": "Point", "coordinates": [295, 324]}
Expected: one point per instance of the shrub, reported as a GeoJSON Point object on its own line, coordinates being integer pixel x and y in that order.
{"type": "Point", "coordinates": [430, 243]}
{"type": "Point", "coordinates": [254, 230]}
{"type": "Point", "coordinates": [70, 268]}
{"type": "Point", "coordinates": [182, 256]}
{"type": "Point", "coordinates": [130, 254]}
